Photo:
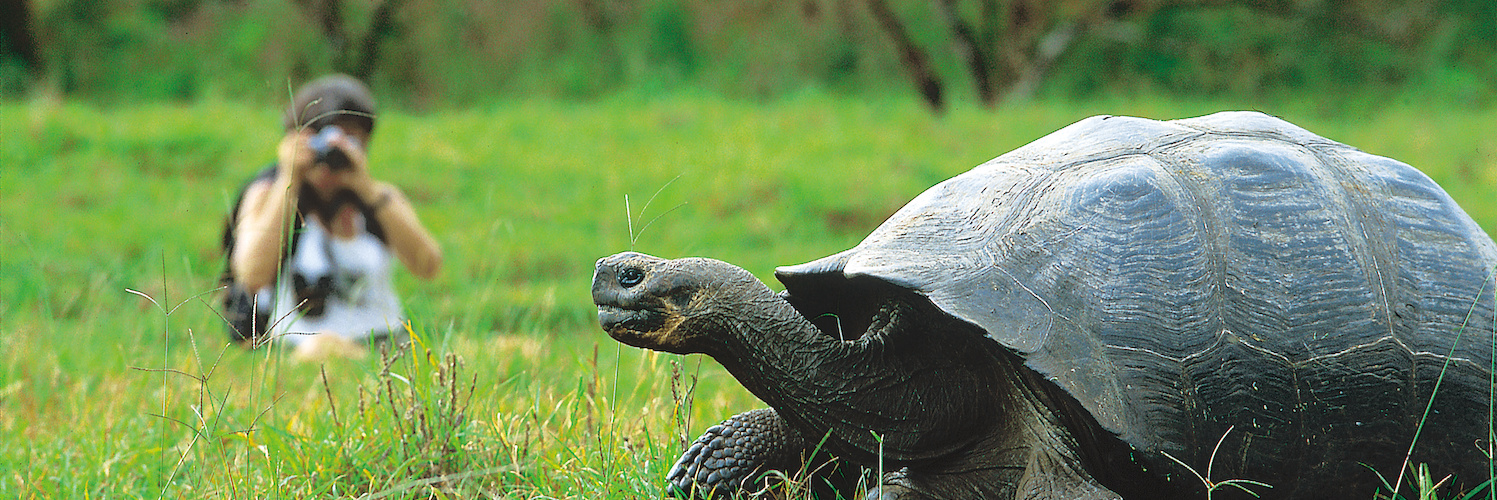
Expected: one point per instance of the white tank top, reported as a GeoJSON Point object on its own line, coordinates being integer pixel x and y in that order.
{"type": "Point", "coordinates": [344, 284]}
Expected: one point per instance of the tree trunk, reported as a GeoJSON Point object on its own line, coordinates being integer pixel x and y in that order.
{"type": "Point", "coordinates": [381, 28]}
{"type": "Point", "coordinates": [926, 80]}
{"type": "Point", "coordinates": [979, 63]}
{"type": "Point", "coordinates": [357, 61]}
{"type": "Point", "coordinates": [327, 15]}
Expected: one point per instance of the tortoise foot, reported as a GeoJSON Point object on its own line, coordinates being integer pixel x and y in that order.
{"type": "Point", "coordinates": [731, 457]}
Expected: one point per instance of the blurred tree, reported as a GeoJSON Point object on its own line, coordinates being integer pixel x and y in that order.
{"type": "Point", "coordinates": [605, 22]}
{"type": "Point", "coordinates": [455, 52]}
{"type": "Point", "coordinates": [16, 41]}
{"type": "Point", "coordinates": [913, 57]}
{"type": "Point", "coordinates": [358, 61]}
{"type": "Point", "coordinates": [1009, 47]}
{"type": "Point", "coordinates": [970, 44]}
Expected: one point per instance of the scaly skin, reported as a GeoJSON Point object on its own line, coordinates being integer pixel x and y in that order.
{"type": "Point", "coordinates": [941, 406]}
{"type": "Point", "coordinates": [739, 453]}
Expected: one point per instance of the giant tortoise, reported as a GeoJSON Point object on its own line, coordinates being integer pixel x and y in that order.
{"type": "Point", "coordinates": [1106, 313]}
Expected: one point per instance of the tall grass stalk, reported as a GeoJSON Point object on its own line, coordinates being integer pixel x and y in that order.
{"type": "Point", "coordinates": [629, 214]}
{"type": "Point", "coordinates": [1211, 485]}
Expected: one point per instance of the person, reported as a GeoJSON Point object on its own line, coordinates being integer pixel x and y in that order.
{"type": "Point", "coordinates": [309, 242]}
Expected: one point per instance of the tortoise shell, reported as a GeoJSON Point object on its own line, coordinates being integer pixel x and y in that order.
{"type": "Point", "coordinates": [1231, 275]}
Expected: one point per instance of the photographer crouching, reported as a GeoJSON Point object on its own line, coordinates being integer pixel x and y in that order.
{"type": "Point", "coordinates": [310, 241]}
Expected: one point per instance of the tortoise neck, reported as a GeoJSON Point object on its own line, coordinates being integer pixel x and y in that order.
{"type": "Point", "coordinates": [916, 381]}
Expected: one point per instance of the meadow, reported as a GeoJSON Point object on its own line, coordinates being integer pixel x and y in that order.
{"type": "Point", "coordinates": [117, 379]}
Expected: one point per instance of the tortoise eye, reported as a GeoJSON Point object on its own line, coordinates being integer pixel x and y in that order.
{"type": "Point", "coordinates": [630, 277]}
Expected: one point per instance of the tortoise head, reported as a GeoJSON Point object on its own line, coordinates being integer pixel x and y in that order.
{"type": "Point", "coordinates": [669, 305]}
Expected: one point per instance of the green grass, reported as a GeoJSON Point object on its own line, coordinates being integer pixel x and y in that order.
{"type": "Point", "coordinates": [513, 391]}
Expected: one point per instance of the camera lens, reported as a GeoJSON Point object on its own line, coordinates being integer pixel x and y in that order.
{"type": "Point", "coordinates": [324, 151]}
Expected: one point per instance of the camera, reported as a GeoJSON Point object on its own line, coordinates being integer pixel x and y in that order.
{"type": "Point", "coordinates": [312, 293]}
{"type": "Point", "coordinates": [324, 150]}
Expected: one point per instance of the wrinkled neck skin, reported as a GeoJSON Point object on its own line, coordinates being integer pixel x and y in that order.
{"type": "Point", "coordinates": [919, 379]}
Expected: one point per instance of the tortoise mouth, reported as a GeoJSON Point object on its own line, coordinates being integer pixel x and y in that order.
{"type": "Point", "coordinates": [645, 328]}
{"type": "Point", "coordinates": [625, 322]}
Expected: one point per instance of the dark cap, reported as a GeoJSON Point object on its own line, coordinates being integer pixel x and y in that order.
{"type": "Point", "coordinates": [331, 97]}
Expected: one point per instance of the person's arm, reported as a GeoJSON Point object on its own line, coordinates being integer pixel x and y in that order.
{"type": "Point", "coordinates": [403, 230]}
{"type": "Point", "coordinates": [265, 216]}
{"type": "Point", "coordinates": [410, 241]}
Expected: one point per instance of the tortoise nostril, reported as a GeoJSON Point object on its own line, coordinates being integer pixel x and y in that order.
{"type": "Point", "coordinates": [630, 277]}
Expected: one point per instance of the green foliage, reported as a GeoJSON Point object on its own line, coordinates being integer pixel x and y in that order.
{"type": "Point", "coordinates": [512, 391]}
{"type": "Point", "coordinates": [444, 53]}
{"type": "Point", "coordinates": [137, 49]}
{"type": "Point", "coordinates": [1424, 486]}
{"type": "Point", "coordinates": [670, 47]}
{"type": "Point", "coordinates": [1359, 52]}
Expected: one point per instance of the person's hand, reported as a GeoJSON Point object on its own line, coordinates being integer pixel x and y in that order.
{"type": "Point", "coordinates": [356, 175]}
{"type": "Point", "coordinates": [298, 161]}
{"type": "Point", "coordinates": [295, 157]}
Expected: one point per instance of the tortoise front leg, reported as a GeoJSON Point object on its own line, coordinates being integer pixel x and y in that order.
{"type": "Point", "coordinates": [732, 457]}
